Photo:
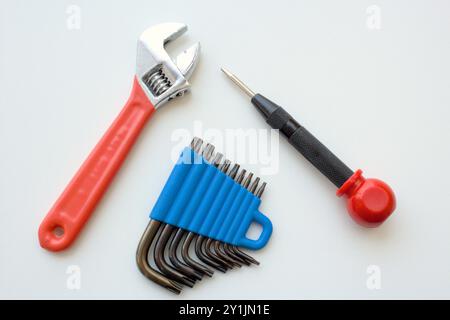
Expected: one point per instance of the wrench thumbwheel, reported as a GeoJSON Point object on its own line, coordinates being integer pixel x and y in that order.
{"type": "Point", "coordinates": [157, 82]}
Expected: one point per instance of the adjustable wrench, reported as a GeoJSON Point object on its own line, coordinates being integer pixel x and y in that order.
{"type": "Point", "coordinates": [158, 79]}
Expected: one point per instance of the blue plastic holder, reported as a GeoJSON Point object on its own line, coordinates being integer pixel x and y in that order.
{"type": "Point", "coordinates": [200, 198]}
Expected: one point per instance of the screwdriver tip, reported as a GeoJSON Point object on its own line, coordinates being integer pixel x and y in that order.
{"type": "Point", "coordinates": [238, 82]}
{"type": "Point", "coordinates": [228, 73]}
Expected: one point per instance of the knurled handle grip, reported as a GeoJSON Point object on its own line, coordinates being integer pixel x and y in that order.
{"type": "Point", "coordinates": [301, 139]}
{"type": "Point", "coordinates": [320, 156]}
{"type": "Point", "coordinates": [75, 205]}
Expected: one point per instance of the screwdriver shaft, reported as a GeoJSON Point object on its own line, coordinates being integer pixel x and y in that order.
{"type": "Point", "coordinates": [239, 83]}
{"type": "Point", "coordinates": [302, 140]}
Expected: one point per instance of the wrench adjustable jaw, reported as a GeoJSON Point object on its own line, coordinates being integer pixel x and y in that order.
{"type": "Point", "coordinates": [159, 76]}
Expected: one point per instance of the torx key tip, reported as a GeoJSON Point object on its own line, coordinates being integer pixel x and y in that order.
{"type": "Point", "coordinates": [238, 82]}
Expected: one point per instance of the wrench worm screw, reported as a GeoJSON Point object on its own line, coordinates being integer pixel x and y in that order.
{"type": "Point", "coordinates": [157, 82]}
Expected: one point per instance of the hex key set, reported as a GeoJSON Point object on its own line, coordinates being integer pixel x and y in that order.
{"type": "Point", "coordinates": [200, 221]}
{"type": "Point", "coordinates": [208, 204]}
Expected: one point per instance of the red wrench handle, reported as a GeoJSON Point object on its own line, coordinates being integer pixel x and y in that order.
{"type": "Point", "coordinates": [75, 205]}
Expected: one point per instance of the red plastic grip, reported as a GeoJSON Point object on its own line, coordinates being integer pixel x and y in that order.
{"type": "Point", "coordinates": [370, 201]}
{"type": "Point", "coordinates": [75, 205]}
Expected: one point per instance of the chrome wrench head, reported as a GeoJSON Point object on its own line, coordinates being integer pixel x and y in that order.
{"type": "Point", "coordinates": [161, 78]}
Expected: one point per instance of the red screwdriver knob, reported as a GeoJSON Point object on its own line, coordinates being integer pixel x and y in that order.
{"type": "Point", "coordinates": [370, 201]}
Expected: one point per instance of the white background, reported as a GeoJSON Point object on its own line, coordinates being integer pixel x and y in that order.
{"type": "Point", "coordinates": [378, 98]}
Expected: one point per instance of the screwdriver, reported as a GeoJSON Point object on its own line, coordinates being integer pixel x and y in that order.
{"type": "Point", "coordinates": [369, 201]}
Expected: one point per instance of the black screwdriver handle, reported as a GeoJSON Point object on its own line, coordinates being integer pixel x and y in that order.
{"type": "Point", "coordinates": [302, 140]}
